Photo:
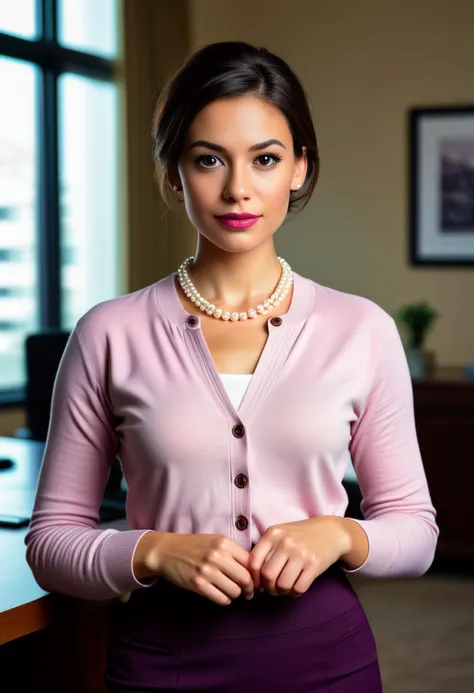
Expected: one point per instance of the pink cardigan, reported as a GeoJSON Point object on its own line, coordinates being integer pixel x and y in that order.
{"type": "Point", "coordinates": [137, 380]}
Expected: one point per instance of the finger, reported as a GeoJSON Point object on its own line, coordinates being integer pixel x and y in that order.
{"type": "Point", "coordinates": [288, 577]}
{"type": "Point", "coordinates": [260, 553]}
{"type": "Point", "coordinates": [210, 591]}
{"type": "Point", "coordinates": [304, 582]}
{"type": "Point", "coordinates": [240, 575]}
{"type": "Point", "coordinates": [240, 554]}
{"type": "Point", "coordinates": [235, 566]}
{"type": "Point", "coordinates": [217, 585]}
{"type": "Point", "coordinates": [272, 569]}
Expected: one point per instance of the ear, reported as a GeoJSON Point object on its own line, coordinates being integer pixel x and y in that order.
{"type": "Point", "coordinates": [301, 167]}
{"type": "Point", "coordinates": [174, 180]}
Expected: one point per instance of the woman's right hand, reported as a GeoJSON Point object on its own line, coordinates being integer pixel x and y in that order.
{"type": "Point", "coordinates": [212, 565]}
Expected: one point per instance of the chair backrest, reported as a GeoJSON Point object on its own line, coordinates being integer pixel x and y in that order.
{"type": "Point", "coordinates": [43, 351]}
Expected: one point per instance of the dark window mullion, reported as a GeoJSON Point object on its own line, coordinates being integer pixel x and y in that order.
{"type": "Point", "coordinates": [48, 19]}
{"type": "Point", "coordinates": [46, 54]}
{"type": "Point", "coordinates": [49, 266]}
{"type": "Point", "coordinates": [49, 269]}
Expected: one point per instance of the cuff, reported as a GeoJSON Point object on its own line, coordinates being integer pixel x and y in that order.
{"type": "Point", "coordinates": [383, 547]}
{"type": "Point", "coordinates": [116, 559]}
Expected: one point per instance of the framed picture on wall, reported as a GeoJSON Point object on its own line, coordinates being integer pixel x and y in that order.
{"type": "Point", "coordinates": [441, 185]}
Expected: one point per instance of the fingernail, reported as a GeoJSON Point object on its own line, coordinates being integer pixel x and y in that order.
{"type": "Point", "coordinates": [249, 596]}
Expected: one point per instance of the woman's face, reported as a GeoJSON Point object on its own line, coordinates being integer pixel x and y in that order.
{"type": "Point", "coordinates": [238, 157]}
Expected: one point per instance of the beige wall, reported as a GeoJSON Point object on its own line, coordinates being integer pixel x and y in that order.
{"type": "Point", "coordinates": [155, 41]}
{"type": "Point", "coordinates": [363, 64]}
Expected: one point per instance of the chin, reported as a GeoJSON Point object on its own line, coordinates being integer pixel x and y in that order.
{"type": "Point", "coordinates": [237, 241]}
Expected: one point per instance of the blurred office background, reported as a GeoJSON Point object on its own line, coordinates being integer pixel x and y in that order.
{"type": "Point", "coordinates": [81, 219]}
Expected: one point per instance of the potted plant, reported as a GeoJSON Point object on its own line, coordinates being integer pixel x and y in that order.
{"type": "Point", "coordinates": [417, 320]}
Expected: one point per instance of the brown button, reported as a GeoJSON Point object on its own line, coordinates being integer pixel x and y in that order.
{"type": "Point", "coordinates": [241, 481]}
{"type": "Point", "coordinates": [241, 523]}
{"type": "Point", "coordinates": [238, 430]}
{"type": "Point", "coordinates": [276, 322]}
{"type": "Point", "coordinates": [192, 321]}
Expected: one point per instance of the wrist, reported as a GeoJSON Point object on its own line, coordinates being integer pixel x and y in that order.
{"type": "Point", "coordinates": [146, 559]}
{"type": "Point", "coordinates": [344, 536]}
{"type": "Point", "coordinates": [354, 543]}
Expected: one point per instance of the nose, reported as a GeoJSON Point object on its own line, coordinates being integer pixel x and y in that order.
{"type": "Point", "coordinates": [237, 186]}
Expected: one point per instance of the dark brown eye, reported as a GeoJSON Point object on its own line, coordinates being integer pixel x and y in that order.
{"type": "Point", "coordinates": [268, 159]}
{"type": "Point", "coordinates": [206, 161]}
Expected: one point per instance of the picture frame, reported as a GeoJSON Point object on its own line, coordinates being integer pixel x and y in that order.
{"type": "Point", "coordinates": [441, 186]}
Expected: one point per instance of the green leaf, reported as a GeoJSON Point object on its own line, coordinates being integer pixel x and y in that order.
{"type": "Point", "coordinates": [417, 319]}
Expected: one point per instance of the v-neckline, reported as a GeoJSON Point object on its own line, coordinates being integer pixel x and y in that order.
{"type": "Point", "coordinates": [273, 355]}
{"type": "Point", "coordinates": [265, 370]}
{"type": "Point", "coordinates": [236, 383]}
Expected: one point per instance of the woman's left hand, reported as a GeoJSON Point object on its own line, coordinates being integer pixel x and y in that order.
{"type": "Point", "coordinates": [288, 557]}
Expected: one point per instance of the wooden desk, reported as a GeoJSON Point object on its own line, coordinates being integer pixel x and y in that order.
{"type": "Point", "coordinates": [62, 640]}
{"type": "Point", "coordinates": [22, 609]}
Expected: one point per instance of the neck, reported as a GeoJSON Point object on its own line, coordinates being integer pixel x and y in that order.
{"type": "Point", "coordinates": [235, 279]}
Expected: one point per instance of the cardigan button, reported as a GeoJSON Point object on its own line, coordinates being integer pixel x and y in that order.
{"type": "Point", "coordinates": [238, 431]}
{"type": "Point", "coordinates": [241, 523]}
{"type": "Point", "coordinates": [276, 322]}
{"type": "Point", "coordinates": [192, 321]}
{"type": "Point", "coordinates": [241, 481]}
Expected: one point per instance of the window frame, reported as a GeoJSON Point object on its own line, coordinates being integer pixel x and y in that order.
{"type": "Point", "coordinates": [53, 60]}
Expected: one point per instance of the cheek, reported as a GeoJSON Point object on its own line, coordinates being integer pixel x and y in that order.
{"type": "Point", "coordinates": [199, 195]}
{"type": "Point", "coordinates": [276, 192]}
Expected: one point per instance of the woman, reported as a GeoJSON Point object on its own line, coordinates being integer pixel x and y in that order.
{"type": "Point", "coordinates": [236, 392]}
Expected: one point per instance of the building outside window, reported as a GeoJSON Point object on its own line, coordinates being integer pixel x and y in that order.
{"type": "Point", "coordinates": [59, 114]}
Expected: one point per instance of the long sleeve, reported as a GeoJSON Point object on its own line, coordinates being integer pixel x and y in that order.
{"type": "Point", "coordinates": [65, 549]}
{"type": "Point", "coordinates": [399, 518]}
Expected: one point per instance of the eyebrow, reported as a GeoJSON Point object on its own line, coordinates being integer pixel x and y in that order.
{"type": "Point", "coordinates": [219, 148]}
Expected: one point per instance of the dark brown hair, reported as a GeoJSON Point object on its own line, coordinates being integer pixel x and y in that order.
{"type": "Point", "coordinates": [224, 70]}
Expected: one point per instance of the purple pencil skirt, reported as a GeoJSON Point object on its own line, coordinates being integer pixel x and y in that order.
{"type": "Point", "coordinates": [169, 639]}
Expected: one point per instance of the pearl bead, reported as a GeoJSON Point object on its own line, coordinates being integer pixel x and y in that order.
{"type": "Point", "coordinates": [277, 296]}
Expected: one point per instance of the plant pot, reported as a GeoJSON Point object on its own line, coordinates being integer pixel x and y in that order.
{"type": "Point", "coordinates": [421, 363]}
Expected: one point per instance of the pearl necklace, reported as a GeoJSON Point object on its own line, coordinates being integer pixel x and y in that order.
{"type": "Point", "coordinates": [274, 300]}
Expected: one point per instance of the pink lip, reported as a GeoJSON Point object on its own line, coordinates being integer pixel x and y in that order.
{"type": "Point", "coordinates": [239, 223]}
{"type": "Point", "coordinates": [238, 215]}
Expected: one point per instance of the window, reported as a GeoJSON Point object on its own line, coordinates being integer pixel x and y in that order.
{"type": "Point", "coordinates": [59, 240]}
{"type": "Point", "coordinates": [18, 18]}
{"type": "Point", "coordinates": [82, 22]}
